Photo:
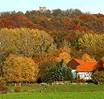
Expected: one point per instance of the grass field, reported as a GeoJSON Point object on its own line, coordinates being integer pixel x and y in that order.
{"type": "Point", "coordinates": [57, 95]}
{"type": "Point", "coordinates": [67, 91]}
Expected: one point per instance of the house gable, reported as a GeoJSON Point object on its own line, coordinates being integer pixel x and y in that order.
{"type": "Point", "coordinates": [74, 63]}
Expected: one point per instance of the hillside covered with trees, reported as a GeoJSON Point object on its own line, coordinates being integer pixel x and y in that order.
{"type": "Point", "coordinates": [35, 41]}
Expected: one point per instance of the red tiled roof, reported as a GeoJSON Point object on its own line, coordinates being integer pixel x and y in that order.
{"type": "Point", "coordinates": [87, 67]}
{"type": "Point", "coordinates": [83, 66]}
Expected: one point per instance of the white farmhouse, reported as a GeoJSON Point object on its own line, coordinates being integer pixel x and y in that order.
{"type": "Point", "coordinates": [83, 69]}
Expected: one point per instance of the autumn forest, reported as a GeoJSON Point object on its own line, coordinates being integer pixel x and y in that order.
{"type": "Point", "coordinates": [35, 41]}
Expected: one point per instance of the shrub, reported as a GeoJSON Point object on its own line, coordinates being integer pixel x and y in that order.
{"type": "Point", "coordinates": [3, 88]}
{"type": "Point", "coordinates": [60, 72]}
{"type": "Point", "coordinates": [98, 76]}
{"type": "Point", "coordinates": [18, 89]}
{"type": "Point", "coordinates": [46, 66]}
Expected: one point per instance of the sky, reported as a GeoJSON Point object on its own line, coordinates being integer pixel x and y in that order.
{"type": "Point", "coordinates": [92, 6]}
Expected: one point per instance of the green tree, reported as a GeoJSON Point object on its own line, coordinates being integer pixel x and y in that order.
{"type": "Point", "coordinates": [58, 73]}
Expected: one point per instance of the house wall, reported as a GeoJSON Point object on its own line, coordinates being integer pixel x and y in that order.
{"type": "Point", "coordinates": [84, 75]}
{"type": "Point", "coordinates": [74, 74]}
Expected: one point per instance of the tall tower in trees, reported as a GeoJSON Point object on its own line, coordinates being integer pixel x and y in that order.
{"type": "Point", "coordinates": [42, 9]}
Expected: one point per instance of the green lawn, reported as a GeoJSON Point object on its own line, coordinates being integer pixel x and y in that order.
{"type": "Point", "coordinates": [61, 88]}
{"type": "Point", "coordinates": [57, 95]}
{"type": "Point", "coordinates": [67, 91]}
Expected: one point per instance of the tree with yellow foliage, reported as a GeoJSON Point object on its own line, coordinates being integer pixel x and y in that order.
{"type": "Point", "coordinates": [64, 54]}
{"type": "Point", "coordinates": [20, 69]}
{"type": "Point", "coordinates": [86, 57]}
{"type": "Point", "coordinates": [93, 44]}
{"type": "Point", "coordinates": [29, 42]}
